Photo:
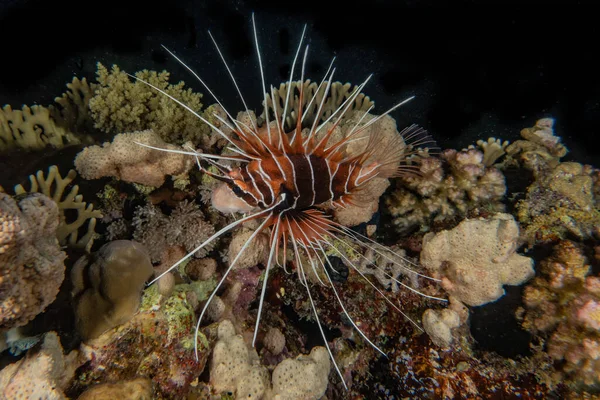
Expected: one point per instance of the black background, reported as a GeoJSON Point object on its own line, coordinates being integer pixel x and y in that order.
{"type": "Point", "coordinates": [477, 69]}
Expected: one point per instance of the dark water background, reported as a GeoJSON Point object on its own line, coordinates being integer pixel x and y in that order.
{"type": "Point", "coordinates": [478, 69]}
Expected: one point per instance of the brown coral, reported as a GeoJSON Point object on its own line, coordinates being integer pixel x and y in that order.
{"type": "Point", "coordinates": [107, 286]}
{"type": "Point", "coordinates": [186, 226]}
{"type": "Point", "coordinates": [438, 194]}
{"type": "Point", "coordinates": [128, 161]}
{"type": "Point", "coordinates": [31, 262]}
{"type": "Point", "coordinates": [562, 305]}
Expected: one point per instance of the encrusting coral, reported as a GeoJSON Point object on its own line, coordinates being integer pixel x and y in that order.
{"type": "Point", "coordinates": [128, 161]}
{"type": "Point", "coordinates": [31, 261]}
{"type": "Point", "coordinates": [476, 258]}
{"type": "Point", "coordinates": [235, 369]}
{"type": "Point", "coordinates": [54, 186]}
{"type": "Point", "coordinates": [439, 193]}
{"type": "Point", "coordinates": [562, 305]}
{"type": "Point", "coordinates": [563, 200]}
{"type": "Point", "coordinates": [107, 286]}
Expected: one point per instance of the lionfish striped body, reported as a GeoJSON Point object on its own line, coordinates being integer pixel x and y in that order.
{"type": "Point", "coordinates": [289, 179]}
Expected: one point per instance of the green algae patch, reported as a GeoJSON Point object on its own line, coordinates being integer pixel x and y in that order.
{"type": "Point", "coordinates": [177, 308]}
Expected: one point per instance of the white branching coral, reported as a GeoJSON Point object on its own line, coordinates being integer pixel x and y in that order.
{"type": "Point", "coordinates": [476, 258]}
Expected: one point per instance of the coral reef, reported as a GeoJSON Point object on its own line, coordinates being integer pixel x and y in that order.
{"type": "Point", "coordinates": [135, 389]}
{"type": "Point", "coordinates": [234, 368]}
{"type": "Point", "coordinates": [186, 226]}
{"type": "Point", "coordinates": [493, 149]}
{"type": "Point", "coordinates": [32, 128]}
{"type": "Point", "coordinates": [562, 201]}
{"type": "Point", "coordinates": [439, 324]}
{"type": "Point", "coordinates": [562, 305]}
{"type": "Point", "coordinates": [446, 188]}
{"type": "Point", "coordinates": [43, 374]}
{"type": "Point", "coordinates": [54, 186]}
{"type": "Point", "coordinates": [305, 377]}
{"type": "Point", "coordinates": [476, 258]}
{"type": "Point", "coordinates": [338, 93]}
{"type": "Point", "coordinates": [120, 105]}
{"type": "Point", "coordinates": [157, 344]}
{"type": "Point", "coordinates": [107, 286]}
{"type": "Point", "coordinates": [58, 125]}
{"type": "Point", "coordinates": [31, 261]}
{"type": "Point", "coordinates": [128, 161]}
{"type": "Point", "coordinates": [540, 150]}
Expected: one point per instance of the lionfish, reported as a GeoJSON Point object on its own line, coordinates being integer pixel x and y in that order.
{"type": "Point", "coordinates": [286, 176]}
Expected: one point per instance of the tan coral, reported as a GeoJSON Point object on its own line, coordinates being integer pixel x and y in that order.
{"type": "Point", "coordinates": [234, 368]}
{"type": "Point", "coordinates": [43, 374]}
{"type": "Point", "coordinates": [476, 258]}
{"type": "Point", "coordinates": [338, 93]}
{"type": "Point", "coordinates": [107, 286]}
{"type": "Point", "coordinates": [302, 378]}
{"type": "Point", "coordinates": [122, 105]}
{"type": "Point", "coordinates": [128, 161]}
{"type": "Point", "coordinates": [32, 128]}
{"type": "Point", "coordinates": [31, 261]}
{"type": "Point", "coordinates": [134, 389]}
{"type": "Point", "coordinates": [53, 185]}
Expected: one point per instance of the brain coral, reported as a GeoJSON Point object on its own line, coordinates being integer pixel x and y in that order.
{"type": "Point", "coordinates": [477, 257]}
{"type": "Point", "coordinates": [31, 261]}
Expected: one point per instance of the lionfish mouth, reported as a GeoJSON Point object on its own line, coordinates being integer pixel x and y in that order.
{"type": "Point", "coordinates": [291, 176]}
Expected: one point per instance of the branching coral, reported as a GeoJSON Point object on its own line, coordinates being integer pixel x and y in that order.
{"type": "Point", "coordinates": [54, 187]}
{"type": "Point", "coordinates": [128, 161]}
{"type": "Point", "coordinates": [31, 261]}
{"type": "Point", "coordinates": [540, 150]}
{"type": "Point", "coordinates": [35, 127]}
{"type": "Point", "coordinates": [32, 128]}
{"type": "Point", "coordinates": [185, 227]}
{"type": "Point", "coordinates": [476, 258]}
{"type": "Point", "coordinates": [439, 193]}
{"type": "Point", "coordinates": [120, 105]}
{"type": "Point", "coordinates": [563, 306]}
{"type": "Point", "coordinates": [562, 201]}
{"type": "Point", "coordinates": [338, 93]}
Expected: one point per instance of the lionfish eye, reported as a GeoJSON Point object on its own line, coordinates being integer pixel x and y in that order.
{"type": "Point", "coordinates": [236, 189]}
